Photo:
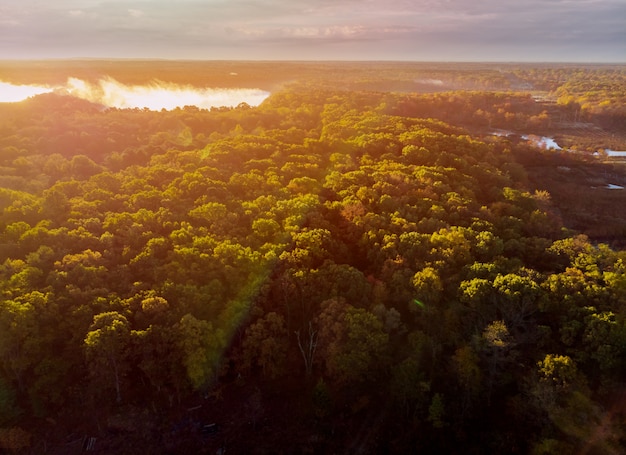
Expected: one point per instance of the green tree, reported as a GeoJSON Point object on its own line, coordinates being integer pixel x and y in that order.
{"type": "Point", "coordinates": [202, 346]}
{"type": "Point", "coordinates": [265, 344]}
{"type": "Point", "coordinates": [9, 410]}
{"type": "Point", "coordinates": [466, 366]}
{"type": "Point", "coordinates": [410, 381]}
{"type": "Point", "coordinates": [496, 347]}
{"type": "Point", "coordinates": [159, 358]}
{"type": "Point", "coordinates": [355, 345]}
{"type": "Point", "coordinates": [428, 286]}
{"type": "Point", "coordinates": [437, 411]}
{"type": "Point", "coordinates": [518, 298]}
{"type": "Point", "coordinates": [107, 349]}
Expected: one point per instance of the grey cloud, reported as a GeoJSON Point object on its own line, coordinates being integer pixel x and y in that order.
{"type": "Point", "coordinates": [413, 29]}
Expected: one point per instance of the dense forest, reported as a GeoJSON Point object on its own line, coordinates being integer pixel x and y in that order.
{"type": "Point", "coordinates": [355, 269]}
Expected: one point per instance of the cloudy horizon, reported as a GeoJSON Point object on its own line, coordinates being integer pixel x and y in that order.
{"type": "Point", "coordinates": [428, 30]}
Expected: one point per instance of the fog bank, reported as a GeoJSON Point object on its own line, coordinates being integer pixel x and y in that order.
{"type": "Point", "coordinates": [156, 95]}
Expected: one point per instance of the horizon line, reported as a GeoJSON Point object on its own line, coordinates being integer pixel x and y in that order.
{"type": "Point", "coordinates": [239, 60]}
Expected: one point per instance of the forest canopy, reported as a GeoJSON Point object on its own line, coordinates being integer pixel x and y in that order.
{"type": "Point", "coordinates": [332, 271]}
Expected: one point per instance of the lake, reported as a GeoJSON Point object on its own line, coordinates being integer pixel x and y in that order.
{"type": "Point", "coordinates": [540, 141]}
{"type": "Point", "coordinates": [616, 153]}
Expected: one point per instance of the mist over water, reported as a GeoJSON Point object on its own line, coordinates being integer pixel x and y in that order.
{"type": "Point", "coordinates": [10, 93]}
{"type": "Point", "coordinates": [156, 95]}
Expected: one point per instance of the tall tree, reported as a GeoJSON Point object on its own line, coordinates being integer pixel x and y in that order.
{"type": "Point", "coordinates": [202, 348]}
{"type": "Point", "coordinates": [107, 348]}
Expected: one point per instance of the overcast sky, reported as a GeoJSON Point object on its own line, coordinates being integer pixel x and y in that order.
{"type": "Point", "coordinates": [432, 30]}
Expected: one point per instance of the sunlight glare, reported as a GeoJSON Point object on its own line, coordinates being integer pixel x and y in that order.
{"type": "Point", "coordinates": [10, 93]}
{"type": "Point", "coordinates": [160, 95]}
{"type": "Point", "coordinates": [156, 95]}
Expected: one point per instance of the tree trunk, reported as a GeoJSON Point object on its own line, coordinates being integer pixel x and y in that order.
{"type": "Point", "coordinates": [307, 348]}
{"type": "Point", "coordinates": [118, 395]}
